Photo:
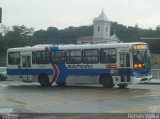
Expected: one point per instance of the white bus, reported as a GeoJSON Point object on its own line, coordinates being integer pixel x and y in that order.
{"type": "Point", "coordinates": [114, 63]}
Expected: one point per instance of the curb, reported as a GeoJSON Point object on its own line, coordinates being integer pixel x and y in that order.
{"type": "Point", "coordinates": [150, 83]}
{"type": "Point", "coordinates": [153, 82]}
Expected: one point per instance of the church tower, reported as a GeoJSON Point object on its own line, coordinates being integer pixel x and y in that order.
{"type": "Point", "coordinates": [101, 29]}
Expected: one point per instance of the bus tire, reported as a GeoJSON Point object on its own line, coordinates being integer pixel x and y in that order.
{"type": "Point", "coordinates": [44, 80]}
{"type": "Point", "coordinates": [106, 81]}
{"type": "Point", "coordinates": [122, 85]}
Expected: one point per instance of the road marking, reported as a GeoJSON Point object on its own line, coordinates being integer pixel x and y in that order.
{"type": "Point", "coordinates": [34, 111]}
{"type": "Point", "coordinates": [131, 109]}
{"type": "Point", "coordinates": [155, 108]}
{"type": "Point", "coordinates": [3, 85]}
{"type": "Point", "coordinates": [6, 110]}
{"type": "Point", "coordinates": [2, 94]}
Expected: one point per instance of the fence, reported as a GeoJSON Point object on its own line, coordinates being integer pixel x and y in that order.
{"type": "Point", "coordinates": [156, 74]}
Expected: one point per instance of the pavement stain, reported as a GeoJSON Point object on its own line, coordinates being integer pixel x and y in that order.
{"type": "Point", "coordinates": [15, 101]}
{"type": "Point", "coordinates": [138, 109]}
{"type": "Point", "coordinates": [35, 98]}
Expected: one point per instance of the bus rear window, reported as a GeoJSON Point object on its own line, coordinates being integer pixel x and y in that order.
{"type": "Point", "coordinates": [13, 58]}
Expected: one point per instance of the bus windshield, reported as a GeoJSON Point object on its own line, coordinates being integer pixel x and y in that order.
{"type": "Point", "coordinates": [141, 59]}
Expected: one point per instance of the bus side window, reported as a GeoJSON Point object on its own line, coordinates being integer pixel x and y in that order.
{"type": "Point", "coordinates": [57, 57]}
{"type": "Point", "coordinates": [33, 57]}
{"type": "Point", "coordinates": [127, 60]}
{"type": "Point", "coordinates": [73, 56]}
{"type": "Point", "coordinates": [13, 58]}
{"type": "Point", "coordinates": [42, 57]}
{"type": "Point", "coordinates": [108, 55]}
{"type": "Point", "coordinates": [122, 59]}
{"type": "Point", "coordinates": [90, 56]}
{"type": "Point", "coordinates": [113, 54]}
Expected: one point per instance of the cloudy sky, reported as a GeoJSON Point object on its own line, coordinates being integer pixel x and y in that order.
{"type": "Point", "coordinates": [41, 14]}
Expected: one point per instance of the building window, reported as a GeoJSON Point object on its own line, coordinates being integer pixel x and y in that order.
{"type": "Point", "coordinates": [14, 58]}
{"type": "Point", "coordinates": [108, 55]}
{"type": "Point", "coordinates": [98, 28]}
{"type": "Point", "coordinates": [58, 57]}
{"type": "Point", "coordinates": [42, 57]}
{"type": "Point", "coordinates": [90, 56]}
{"type": "Point", "coordinates": [106, 29]}
{"type": "Point", "coordinates": [73, 57]}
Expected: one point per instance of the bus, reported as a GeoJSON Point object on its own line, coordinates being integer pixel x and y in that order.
{"type": "Point", "coordinates": [112, 63]}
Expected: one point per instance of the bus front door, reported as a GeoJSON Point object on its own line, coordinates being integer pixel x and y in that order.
{"type": "Point", "coordinates": [26, 65]}
{"type": "Point", "coordinates": [124, 72]}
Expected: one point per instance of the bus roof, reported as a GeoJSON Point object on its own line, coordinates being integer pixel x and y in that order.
{"type": "Point", "coordinates": [92, 46]}
{"type": "Point", "coordinates": [30, 48]}
{"type": "Point", "coordinates": [74, 46]}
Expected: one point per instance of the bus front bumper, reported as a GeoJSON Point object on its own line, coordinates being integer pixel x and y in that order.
{"type": "Point", "coordinates": [144, 79]}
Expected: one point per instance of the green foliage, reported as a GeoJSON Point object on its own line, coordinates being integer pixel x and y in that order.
{"type": "Point", "coordinates": [2, 47]}
{"type": "Point", "coordinates": [18, 37]}
{"type": "Point", "coordinates": [22, 36]}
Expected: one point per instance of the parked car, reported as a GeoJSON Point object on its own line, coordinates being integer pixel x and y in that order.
{"type": "Point", "coordinates": [3, 73]}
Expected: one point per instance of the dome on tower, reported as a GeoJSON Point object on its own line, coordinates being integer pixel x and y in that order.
{"type": "Point", "coordinates": [101, 17]}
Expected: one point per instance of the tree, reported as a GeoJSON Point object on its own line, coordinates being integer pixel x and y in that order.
{"type": "Point", "coordinates": [22, 36]}
{"type": "Point", "coordinates": [52, 32]}
{"type": "Point", "coordinates": [17, 37]}
{"type": "Point", "coordinates": [4, 29]}
{"type": "Point", "coordinates": [23, 30]}
{"type": "Point", "coordinates": [40, 34]}
{"type": "Point", "coordinates": [158, 30]}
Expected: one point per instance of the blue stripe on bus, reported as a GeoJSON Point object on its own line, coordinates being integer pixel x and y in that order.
{"type": "Point", "coordinates": [29, 71]}
{"type": "Point", "coordinates": [61, 71]}
{"type": "Point", "coordinates": [141, 73]}
{"type": "Point", "coordinates": [64, 72]}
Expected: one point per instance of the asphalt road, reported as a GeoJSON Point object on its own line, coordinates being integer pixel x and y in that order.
{"type": "Point", "coordinates": [20, 97]}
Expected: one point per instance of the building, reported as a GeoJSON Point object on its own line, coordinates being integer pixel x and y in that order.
{"type": "Point", "coordinates": [85, 39]}
{"type": "Point", "coordinates": [101, 31]}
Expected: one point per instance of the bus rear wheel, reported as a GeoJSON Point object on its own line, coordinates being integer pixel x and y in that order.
{"type": "Point", "coordinates": [106, 81]}
{"type": "Point", "coordinates": [44, 80]}
{"type": "Point", "coordinates": [122, 85]}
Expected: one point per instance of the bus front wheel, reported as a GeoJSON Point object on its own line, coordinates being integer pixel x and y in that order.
{"type": "Point", "coordinates": [44, 80]}
{"type": "Point", "coordinates": [106, 81]}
